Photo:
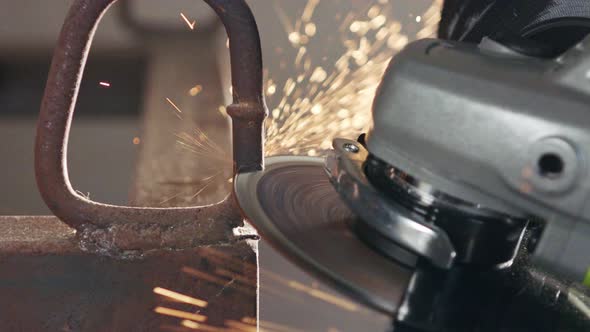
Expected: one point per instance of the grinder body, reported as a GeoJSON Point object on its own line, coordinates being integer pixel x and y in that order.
{"type": "Point", "coordinates": [497, 128]}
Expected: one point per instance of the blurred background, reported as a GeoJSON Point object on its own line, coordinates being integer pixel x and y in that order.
{"type": "Point", "coordinates": [150, 127]}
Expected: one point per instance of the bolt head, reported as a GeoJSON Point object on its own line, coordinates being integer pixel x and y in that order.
{"type": "Point", "coordinates": [348, 147]}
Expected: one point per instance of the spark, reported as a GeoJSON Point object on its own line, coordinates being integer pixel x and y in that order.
{"type": "Point", "coordinates": [136, 140]}
{"type": "Point", "coordinates": [233, 275]}
{"type": "Point", "coordinates": [223, 111]}
{"type": "Point", "coordinates": [204, 187]}
{"type": "Point", "coordinates": [223, 259]}
{"type": "Point", "coordinates": [430, 20]}
{"type": "Point", "coordinates": [241, 326]}
{"type": "Point", "coordinates": [374, 11]}
{"type": "Point", "coordinates": [190, 24]}
{"type": "Point", "coordinates": [297, 286]}
{"type": "Point", "coordinates": [378, 21]}
{"type": "Point", "coordinates": [173, 105]}
{"type": "Point", "coordinates": [418, 19]}
{"type": "Point", "coordinates": [208, 182]}
{"type": "Point", "coordinates": [310, 29]}
{"type": "Point", "coordinates": [295, 38]}
{"type": "Point", "coordinates": [231, 263]}
{"type": "Point", "coordinates": [190, 324]}
{"type": "Point", "coordinates": [332, 299]}
{"type": "Point", "coordinates": [319, 75]}
{"type": "Point", "coordinates": [200, 143]}
{"type": "Point", "coordinates": [201, 327]}
{"type": "Point", "coordinates": [239, 275]}
{"type": "Point", "coordinates": [195, 90]}
{"type": "Point", "coordinates": [309, 10]}
{"type": "Point", "coordinates": [180, 297]}
{"type": "Point", "coordinates": [214, 279]}
{"type": "Point", "coordinates": [321, 102]}
{"type": "Point", "coordinates": [271, 88]}
{"type": "Point", "coordinates": [105, 84]}
{"type": "Point", "coordinates": [249, 320]}
{"type": "Point", "coordinates": [180, 314]}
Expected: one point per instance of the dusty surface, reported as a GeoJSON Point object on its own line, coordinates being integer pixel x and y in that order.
{"type": "Point", "coordinates": [30, 235]}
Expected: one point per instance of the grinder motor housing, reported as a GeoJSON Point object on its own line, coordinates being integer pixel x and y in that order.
{"type": "Point", "coordinates": [502, 130]}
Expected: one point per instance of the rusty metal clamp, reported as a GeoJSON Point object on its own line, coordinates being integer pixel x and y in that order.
{"type": "Point", "coordinates": [133, 228]}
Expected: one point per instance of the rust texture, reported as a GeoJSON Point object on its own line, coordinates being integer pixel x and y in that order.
{"type": "Point", "coordinates": [31, 235]}
{"type": "Point", "coordinates": [247, 112]}
{"type": "Point", "coordinates": [48, 284]}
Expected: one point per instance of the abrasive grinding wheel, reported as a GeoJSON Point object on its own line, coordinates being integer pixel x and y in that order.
{"type": "Point", "coordinates": [294, 206]}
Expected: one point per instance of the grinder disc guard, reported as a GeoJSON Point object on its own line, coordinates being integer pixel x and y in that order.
{"type": "Point", "coordinates": [294, 206]}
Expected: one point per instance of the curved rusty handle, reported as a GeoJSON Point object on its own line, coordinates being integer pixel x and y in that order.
{"type": "Point", "coordinates": [57, 109]}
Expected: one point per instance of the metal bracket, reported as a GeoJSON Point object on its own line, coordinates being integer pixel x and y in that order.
{"type": "Point", "coordinates": [157, 225]}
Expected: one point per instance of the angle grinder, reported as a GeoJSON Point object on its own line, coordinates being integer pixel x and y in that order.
{"type": "Point", "coordinates": [467, 201]}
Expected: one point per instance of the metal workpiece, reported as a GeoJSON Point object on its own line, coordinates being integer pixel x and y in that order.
{"type": "Point", "coordinates": [249, 107]}
{"type": "Point", "coordinates": [22, 235]}
{"type": "Point", "coordinates": [99, 270]}
{"type": "Point", "coordinates": [59, 103]}
{"type": "Point", "coordinates": [48, 283]}
{"type": "Point", "coordinates": [248, 136]}
{"type": "Point", "coordinates": [47, 235]}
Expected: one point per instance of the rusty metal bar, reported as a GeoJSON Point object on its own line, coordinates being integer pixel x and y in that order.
{"type": "Point", "coordinates": [57, 109]}
{"type": "Point", "coordinates": [249, 108]}
{"type": "Point", "coordinates": [49, 283]}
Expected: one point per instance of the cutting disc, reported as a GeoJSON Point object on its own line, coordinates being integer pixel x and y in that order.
{"type": "Point", "coordinates": [293, 206]}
